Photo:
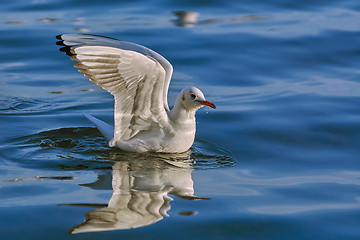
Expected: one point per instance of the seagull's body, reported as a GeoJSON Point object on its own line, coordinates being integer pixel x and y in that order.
{"type": "Point", "coordinates": [139, 79]}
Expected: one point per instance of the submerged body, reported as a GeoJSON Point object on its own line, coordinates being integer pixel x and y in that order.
{"type": "Point", "coordinates": [138, 78]}
{"type": "Point", "coordinates": [156, 140]}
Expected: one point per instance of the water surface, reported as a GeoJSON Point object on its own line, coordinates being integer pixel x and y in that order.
{"type": "Point", "coordinates": [277, 159]}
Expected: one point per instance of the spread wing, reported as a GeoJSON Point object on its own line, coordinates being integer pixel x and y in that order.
{"type": "Point", "coordinates": [137, 77]}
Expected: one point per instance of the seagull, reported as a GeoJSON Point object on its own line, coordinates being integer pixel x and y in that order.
{"type": "Point", "coordinates": [139, 79]}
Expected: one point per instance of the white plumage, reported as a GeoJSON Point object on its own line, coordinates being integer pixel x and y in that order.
{"type": "Point", "coordinates": [139, 79]}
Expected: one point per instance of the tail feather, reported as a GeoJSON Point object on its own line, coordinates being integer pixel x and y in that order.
{"type": "Point", "coordinates": [106, 129]}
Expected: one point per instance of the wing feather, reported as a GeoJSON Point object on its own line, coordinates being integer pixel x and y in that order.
{"type": "Point", "coordinates": [136, 80]}
{"type": "Point", "coordinates": [70, 41]}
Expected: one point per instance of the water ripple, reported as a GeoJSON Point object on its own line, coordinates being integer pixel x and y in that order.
{"type": "Point", "coordinates": [20, 106]}
{"type": "Point", "coordinates": [84, 148]}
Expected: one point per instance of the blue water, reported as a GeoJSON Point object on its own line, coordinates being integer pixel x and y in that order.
{"type": "Point", "coordinates": [278, 158]}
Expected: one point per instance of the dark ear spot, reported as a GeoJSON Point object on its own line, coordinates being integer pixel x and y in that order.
{"type": "Point", "coordinates": [183, 97]}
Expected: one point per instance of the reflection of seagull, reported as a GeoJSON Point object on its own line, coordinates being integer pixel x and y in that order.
{"type": "Point", "coordinates": [140, 194]}
{"type": "Point", "coordinates": [139, 79]}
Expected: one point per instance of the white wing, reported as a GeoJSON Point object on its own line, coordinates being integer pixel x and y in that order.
{"type": "Point", "coordinates": [137, 81]}
{"type": "Point", "coordinates": [74, 40]}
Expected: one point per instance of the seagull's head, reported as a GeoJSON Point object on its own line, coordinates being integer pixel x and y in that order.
{"type": "Point", "coordinates": [192, 99]}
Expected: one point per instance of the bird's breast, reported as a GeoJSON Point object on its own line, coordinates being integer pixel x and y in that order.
{"type": "Point", "coordinates": [182, 139]}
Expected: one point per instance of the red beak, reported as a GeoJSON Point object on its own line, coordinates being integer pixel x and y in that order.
{"type": "Point", "coordinates": [209, 104]}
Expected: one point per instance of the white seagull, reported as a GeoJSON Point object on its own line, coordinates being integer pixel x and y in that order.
{"type": "Point", "coordinates": [139, 79]}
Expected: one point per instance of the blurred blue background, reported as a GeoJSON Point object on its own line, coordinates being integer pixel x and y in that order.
{"type": "Point", "coordinates": [278, 158]}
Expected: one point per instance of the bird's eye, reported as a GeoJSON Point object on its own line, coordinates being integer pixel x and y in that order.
{"type": "Point", "coordinates": [193, 96]}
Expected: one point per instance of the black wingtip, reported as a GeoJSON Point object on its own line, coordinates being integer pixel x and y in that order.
{"type": "Point", "coordinates": [64, 48]}
{"type": "Point", "coordinates": [60, 43]}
